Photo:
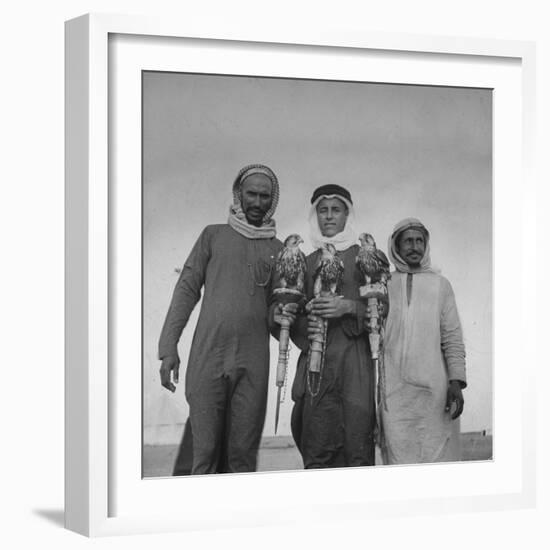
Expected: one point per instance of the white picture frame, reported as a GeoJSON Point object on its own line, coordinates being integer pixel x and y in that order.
{"type": "Point", "coordinates": [93, 215]}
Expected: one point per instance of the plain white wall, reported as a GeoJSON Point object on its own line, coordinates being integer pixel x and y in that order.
{"type": "Point", "coordinates": [400, 150]}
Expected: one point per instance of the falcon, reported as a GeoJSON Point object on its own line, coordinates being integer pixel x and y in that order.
{"type": "Point", "coordinates": [329, 273]}
{"type": "Point", "coordinates": [372, 262]}
{"type": "Point", "coordinates": [291, 264]}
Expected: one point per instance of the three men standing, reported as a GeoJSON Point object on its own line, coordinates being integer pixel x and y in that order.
{"type": "Point", "coordinates": [227, 373]}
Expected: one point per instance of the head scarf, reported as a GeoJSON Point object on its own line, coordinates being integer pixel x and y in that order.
{"type": "Point", "coordinates": [400, 264]}
{"type": "Point", "coordinates": [237, 218]}
{"type": "Point", "coordinates": [342, 240]}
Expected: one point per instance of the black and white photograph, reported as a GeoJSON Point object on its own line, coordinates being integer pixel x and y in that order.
{"type": "Point", "coordinates": [274, 274]}
{"type": "Point", "coordinates": [317, 262]}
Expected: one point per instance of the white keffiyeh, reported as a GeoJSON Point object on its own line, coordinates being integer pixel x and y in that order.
{"type": "Point", "coordinates": [342, 240]}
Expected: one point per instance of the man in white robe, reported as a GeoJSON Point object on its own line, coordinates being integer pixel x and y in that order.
{"type": "Point", "coordinates": [424, 356]}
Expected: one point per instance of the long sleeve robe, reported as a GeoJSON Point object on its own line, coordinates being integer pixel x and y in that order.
{"type": "Point", "coordinates": [424, 349]}
{"type": "Point", "coordinates": [227, 373]}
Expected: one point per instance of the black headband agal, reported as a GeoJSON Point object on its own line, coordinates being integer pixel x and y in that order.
{"type": "Point", "coordinates": [331, 189]}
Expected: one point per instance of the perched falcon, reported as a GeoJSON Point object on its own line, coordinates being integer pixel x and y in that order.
{"type": "Point", "coordinates": [291, 264]}
{"type": "Point", "coordinates": [372, 262]}
{"type": "Point", "coordinates": [329, 273]}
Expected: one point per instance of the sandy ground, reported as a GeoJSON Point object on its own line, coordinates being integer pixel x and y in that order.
{"type": "Point", "coordinates": [280, 453]}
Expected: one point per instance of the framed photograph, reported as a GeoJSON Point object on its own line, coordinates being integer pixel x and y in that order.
{"type": "Point", "coordinates": [160, 119]}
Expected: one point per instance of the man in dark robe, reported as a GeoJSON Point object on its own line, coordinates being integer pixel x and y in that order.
{"type": "Point", "coordinates": [333, 418]}
{"type": "Point", "coordinates": [227, 373]}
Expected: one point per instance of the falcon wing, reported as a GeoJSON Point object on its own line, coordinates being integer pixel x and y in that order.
{"type": "Point", "coordinates": [383, 263]}
{"type": "Point", "coordinates": [362, 261]}
{"type": "Point", "coordinates": [331, 273]}
{"type": "Point", "coordinates": [280, 260]}
{"type": "Point", "coordinates": [290, 267]}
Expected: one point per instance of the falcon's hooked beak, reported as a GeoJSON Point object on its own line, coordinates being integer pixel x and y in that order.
{"type": "Point", "coordinates": [367, 239]}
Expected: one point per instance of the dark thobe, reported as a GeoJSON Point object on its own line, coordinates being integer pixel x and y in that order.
{"type": "Point", "coordinates": [335, 427]}
{"type": "Point", "coordinates": [227, 373]}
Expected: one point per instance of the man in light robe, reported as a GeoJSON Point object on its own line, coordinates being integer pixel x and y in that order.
{"type": "Point", "coordinates": [333, 424]}
{"type": "Point", "coordinates": [227, 373]}
{"type": "Point", "coordinates": [424, 356]}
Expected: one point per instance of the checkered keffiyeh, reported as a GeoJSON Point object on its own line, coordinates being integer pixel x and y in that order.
{"type": "Point", "coordinates": [237, 218]}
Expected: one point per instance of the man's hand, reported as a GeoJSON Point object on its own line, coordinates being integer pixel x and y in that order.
{"type": "Point", "coordinates": [170, 364]}
{"type": "Point", "coordinates": [314, 326]}
{"type": "Point", "coordinates": [331, 307]}
{"type": "Point", "coordinates": [454, 395]}
{"type": "Point", "coordinates": [287, 311]}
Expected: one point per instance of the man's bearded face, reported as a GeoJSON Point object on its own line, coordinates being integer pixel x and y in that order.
{"type": "Point", "coordinates": [411, 246]}
{"type": "Point", "coordinates": [256, 198]}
